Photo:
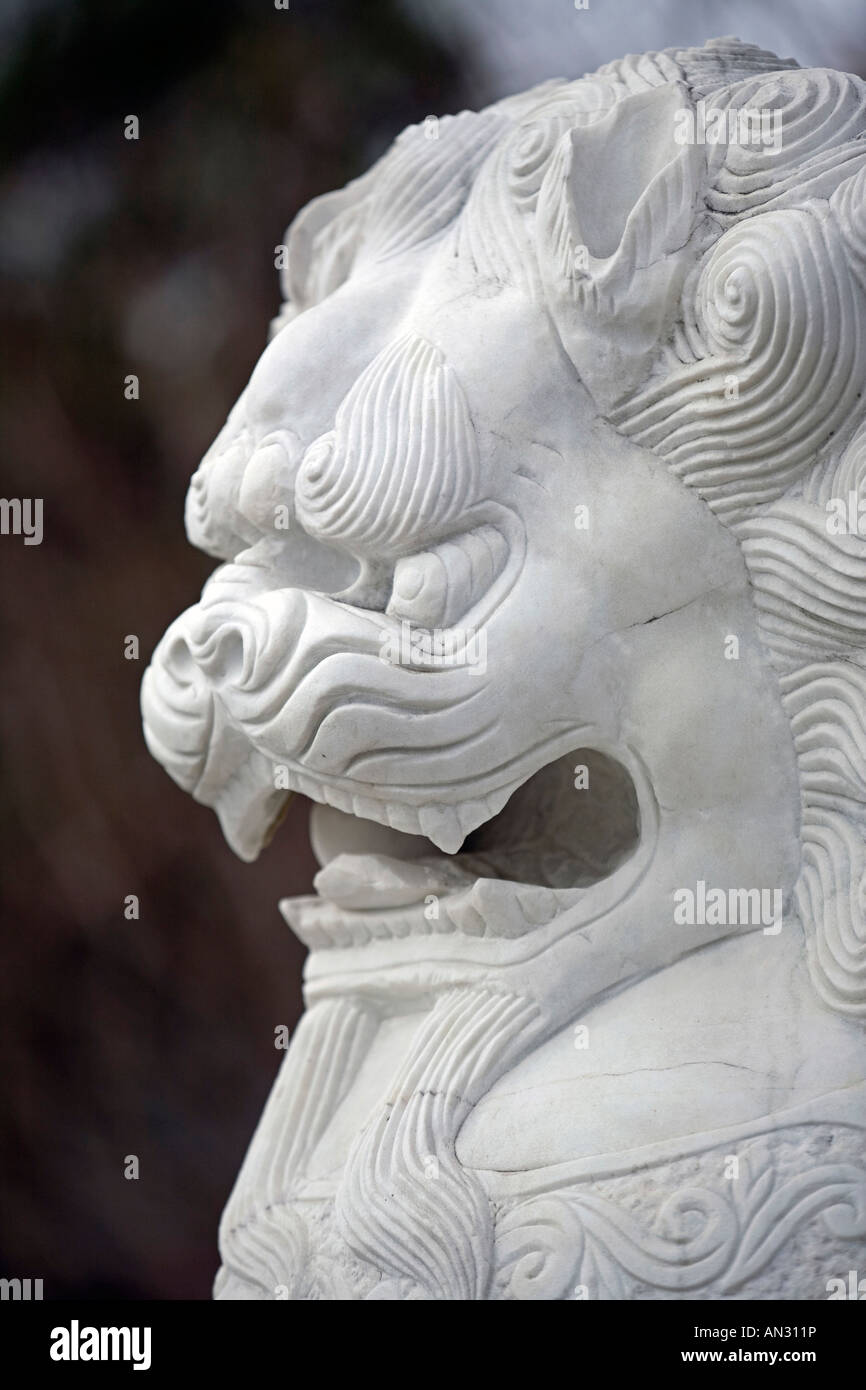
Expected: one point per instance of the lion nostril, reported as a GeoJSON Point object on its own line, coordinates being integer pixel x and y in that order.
{"type": "Point", "coordinates": [211, 651]}
{"type": "Point", "coordinates": [229, 664]}
{"type": "Point", "coordinates": [181, 661]}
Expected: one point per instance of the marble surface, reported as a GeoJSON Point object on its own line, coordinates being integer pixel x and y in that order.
{"type": "Point", "coordinates": [541, 573]}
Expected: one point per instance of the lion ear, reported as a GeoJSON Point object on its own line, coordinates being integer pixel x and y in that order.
{"type": "Point", "coordinates": [410, 195]}
{"type": "Point", "coordinates": [323, 241]}
{"type": "Point", "coordinates": [620, 221]}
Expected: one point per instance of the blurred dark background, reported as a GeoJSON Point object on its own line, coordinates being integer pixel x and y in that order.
{"type": "Point", "coordinates": [155, 257]}
{"type": "Point", "coordinates": [154, 1037]}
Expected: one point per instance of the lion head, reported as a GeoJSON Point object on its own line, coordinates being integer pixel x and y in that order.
{"type": "Point", "coordinates": [555, 406]}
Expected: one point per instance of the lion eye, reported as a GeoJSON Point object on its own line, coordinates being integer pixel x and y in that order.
{"type": "Point", "coordinates": [436, 587]}
{"type": "Point", "coordinates": [401, 467]}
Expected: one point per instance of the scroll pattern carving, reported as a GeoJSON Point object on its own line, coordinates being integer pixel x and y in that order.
{"type": "Point", "coordinates": [577, 1244]}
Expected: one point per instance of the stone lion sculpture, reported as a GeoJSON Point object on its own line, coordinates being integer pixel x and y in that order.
{"type": "Point", "coordinates": [542, 576]}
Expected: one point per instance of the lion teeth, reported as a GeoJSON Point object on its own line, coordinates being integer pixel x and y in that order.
{"type": "Point", "coordinates": [374, 881]}
{"type": "Point", "coordinates": [441, 824]}
{"type": "Point", "coordinates": [366, 807]}
{"type": "Point", "coordinates": [464, 917]}
{"type": "Point", "coordinates": [497, 903]}
{"type": "Point", "coordinates": [490, 909]}
{"type": "Point", "coordinates": [539, 905]}
{"type": "Point", "coordinates": [471, 814]}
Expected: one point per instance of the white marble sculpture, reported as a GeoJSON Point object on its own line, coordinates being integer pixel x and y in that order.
{"type": "Point", "coordinates": [543, 576]}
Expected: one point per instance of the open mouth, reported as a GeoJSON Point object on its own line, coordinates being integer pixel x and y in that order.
{"type": "Point", "coordinates": [570, 827]}
{"type": "Point", "coordinates": [255, 693]}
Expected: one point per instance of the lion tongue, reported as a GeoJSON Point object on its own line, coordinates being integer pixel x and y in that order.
{"type": "Point", "coordinates": [360, 881]}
